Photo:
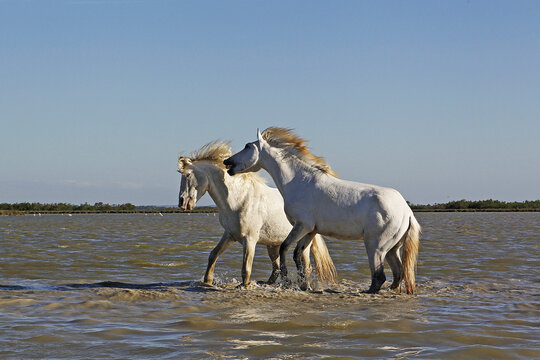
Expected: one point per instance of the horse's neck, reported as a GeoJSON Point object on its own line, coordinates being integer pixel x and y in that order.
{"type": "Point", "coordinates": [227, 192]}
{"type": "Point", "coordinates": [285, 169]}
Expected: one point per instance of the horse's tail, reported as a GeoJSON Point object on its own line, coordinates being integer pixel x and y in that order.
{"type": "Point", "coordinates": [410, 254]}
{"type": "Point", "coordinates": [326, 270]}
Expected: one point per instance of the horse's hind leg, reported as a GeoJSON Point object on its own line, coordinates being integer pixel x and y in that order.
{"type": "Point", "coordinates": [378, 245]}
{"type": "Point", "coordinates": [394, 260]}
{"type": "Point", "coordinates": [298, 231]}
{"type": "Point", "coordinates": [302, 261]}
{"type": "Point", "coordinates": [376, 263]}
{"type": "Point", "coordinates": [273, 253]}
{"type": "Point", "coordinates": [377, 273]}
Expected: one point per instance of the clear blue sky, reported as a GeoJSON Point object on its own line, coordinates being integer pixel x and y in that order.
{"type": "Point", "coordinates": [438, 99]}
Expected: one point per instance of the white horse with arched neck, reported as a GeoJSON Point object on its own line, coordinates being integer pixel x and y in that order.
{"type": "Point", "coordinates": [250, 211]}
{"type": "Point", "coordinates": [318, 202]}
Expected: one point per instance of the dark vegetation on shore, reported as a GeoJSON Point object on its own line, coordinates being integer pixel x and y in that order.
{"type": "Point", "coordinates": [60, 208]}
{"type": "Point", "coordinates": [481, 205]}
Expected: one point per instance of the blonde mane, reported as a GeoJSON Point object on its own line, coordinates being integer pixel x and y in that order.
{"type": "Point", "coordinates": [286, 138]}
{"type": "Point", "coordinates": [215, 152]}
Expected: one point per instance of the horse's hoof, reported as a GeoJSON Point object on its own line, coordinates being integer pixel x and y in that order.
{"type": "Point", "coordinates": [249, 285]}
{"type": "Point", "coordinates": [371, 291]}
{"type": "Point", "coordinates": [304, 286]}
{"type": "Point", "coordinates": [286, 283]}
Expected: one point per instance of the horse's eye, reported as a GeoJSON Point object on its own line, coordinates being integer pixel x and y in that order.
{"type": "Point", "coordinates": [247, 145]}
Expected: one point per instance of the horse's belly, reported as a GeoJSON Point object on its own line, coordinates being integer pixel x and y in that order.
{"type": "Point", "coordinates": [274, 235]}
{"type": "Point", "coordinates": [341, 231]}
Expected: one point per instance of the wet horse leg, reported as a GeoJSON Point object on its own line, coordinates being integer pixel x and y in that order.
{"type": "Point", "coordinates": [376, 263]}
{"type": "Point", "coordinates": [247, 261]}
{"type": "Point", "coordinates": [394, 260]}
{"type": "Point", "coordinates": [224, 243]}
{"type": "Point", "coordinates": [273, 253]}
{"type": "Point", "coordinates": [298, 231]}
{"type": "Point", "coordinates": [378, 245]}
{"type": "Point", "coordinates": [302, 261]}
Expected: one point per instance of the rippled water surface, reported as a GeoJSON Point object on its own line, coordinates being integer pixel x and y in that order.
{"type": "Point", "coordinates": [128, 286]}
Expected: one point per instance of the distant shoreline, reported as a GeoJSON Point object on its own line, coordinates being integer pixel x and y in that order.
{"type": "Point", "coordinates": [215, 210]}
{"type": "Point", "coordinates": [473, 210]}
{"type": "Point", "coordinates": [57, 212]}
{"type": "Point", "coordinates": [101, 208]}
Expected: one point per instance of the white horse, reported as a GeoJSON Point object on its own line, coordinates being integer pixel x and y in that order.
{"type": "Point", "coordinates": [317, 202]}
{"type": "Point", "coordinates": [250, 211]}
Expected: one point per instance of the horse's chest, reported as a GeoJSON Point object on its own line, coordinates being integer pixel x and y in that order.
{"type": "Point", "coordinates": [240, 225]}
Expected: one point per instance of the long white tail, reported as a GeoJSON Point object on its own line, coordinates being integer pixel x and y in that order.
{"type": "Point", "coordinates": [410, 254]}
{"type": "Point", "coordinates": [324, 265]}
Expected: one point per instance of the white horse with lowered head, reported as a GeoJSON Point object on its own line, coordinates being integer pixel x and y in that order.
{"type": "Point", "coordinates": [317, 202]}
{"type": "Point", "coordinates": [250, 211]}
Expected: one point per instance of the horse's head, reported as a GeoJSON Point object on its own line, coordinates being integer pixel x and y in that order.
{"type": "Point", "coordinates": [193, 185]}
{"type": "Point", "coordinates": [246, 160]}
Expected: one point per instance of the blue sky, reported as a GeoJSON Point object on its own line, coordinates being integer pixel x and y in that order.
{"type": "Point", "coordinates": [438, 99]}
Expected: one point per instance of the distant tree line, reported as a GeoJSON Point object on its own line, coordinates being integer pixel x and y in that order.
{"type": "Point", "coordinates": [99, 207]}
{"type": "Point", "coordinates": [64, 207]}
{"type": "Point", "coordinates": [481, 205]}
{"type": "Point", "coordinates": [459, 205]}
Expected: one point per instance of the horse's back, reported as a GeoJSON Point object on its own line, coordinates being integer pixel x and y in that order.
{"type": "Point", "coordinates": [347, 209]}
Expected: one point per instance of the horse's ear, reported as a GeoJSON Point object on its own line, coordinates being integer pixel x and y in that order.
{"type": "Point", "coordinates": [259, 136]}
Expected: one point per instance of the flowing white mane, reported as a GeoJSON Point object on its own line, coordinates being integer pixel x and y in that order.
{"type": "Point", "coordinates": [286, 138]}
{"type": "Point", "coordinates": [215, 152]}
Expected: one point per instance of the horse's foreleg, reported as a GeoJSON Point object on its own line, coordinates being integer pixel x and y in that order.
{"type": "Point", "coordinates": [273, 253]}
{"type": "Point", "coordinates": [302, 261]}
{"type": "Point", "coordinates": [298, 231]}
{"type": "Point", "coordinates": [247, 262]}
{"type": "Point", "coordinates": [223, 245]}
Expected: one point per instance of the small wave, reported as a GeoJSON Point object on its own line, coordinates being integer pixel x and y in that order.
{"type": "Point", "coordinates": [13, 287]}
{"type": "Point", "coordinates": [133, 295]}
{"type": "Point", "coordinates": [144, 263]}
{"type": "Point", "coordinates": [246, 344]}
{"type": "Point", "coordinates": [44, 339]}
{"type": "Point", "coordinates": [17, 302]}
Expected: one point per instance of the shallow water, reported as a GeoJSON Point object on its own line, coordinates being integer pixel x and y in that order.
{"type": "Point", "coordinates": [128, 286]}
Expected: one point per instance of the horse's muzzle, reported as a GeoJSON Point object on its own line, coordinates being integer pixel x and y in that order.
{"type": "Point", "coordinates": [188, 204]}
{"type": "Point", "coordinates": [229, 165]}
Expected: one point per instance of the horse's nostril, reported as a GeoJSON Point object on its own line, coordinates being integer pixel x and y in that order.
{"type": "Point", "coordinates": [228, 163]}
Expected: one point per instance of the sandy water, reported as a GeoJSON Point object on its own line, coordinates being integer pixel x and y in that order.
{"type": "Point", "coordinates": [128, 286]}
